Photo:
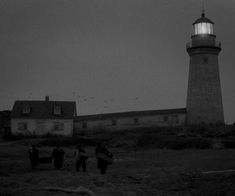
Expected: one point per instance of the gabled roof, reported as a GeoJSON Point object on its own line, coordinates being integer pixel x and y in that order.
{"type": "Point", "coordinates": [44, 109]}
{"type": "Point", "coordinates": [131, 114]}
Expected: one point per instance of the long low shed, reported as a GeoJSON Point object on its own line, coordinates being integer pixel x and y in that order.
{"type": "Point", "coordinates": [129, 120]}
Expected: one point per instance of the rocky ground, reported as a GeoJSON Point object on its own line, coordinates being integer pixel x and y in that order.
{"type": "Point", "coordinates": [134, 173]}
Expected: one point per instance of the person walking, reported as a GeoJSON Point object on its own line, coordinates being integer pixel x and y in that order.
{"type": "Point", "coordinates": [104, 157]}
{"type": "Point", "coordinates": [58, 157]}
{"type": "Point", "coordinates": [81, 158]}
{"type": "Point", "coordinates": [33, 156]}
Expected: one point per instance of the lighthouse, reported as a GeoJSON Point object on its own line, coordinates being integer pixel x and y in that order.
{"type": "Point", "coordinates": [204, 99]}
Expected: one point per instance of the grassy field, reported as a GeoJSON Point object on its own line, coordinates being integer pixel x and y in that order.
{"type": "Point", "coordinates": [134, 173]}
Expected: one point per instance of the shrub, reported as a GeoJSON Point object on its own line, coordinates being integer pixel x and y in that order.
{"type": "Point", "coordinates": [172, 142]}
{"type": "Point", "coordinates": [229, 143]}
{"type": "Point", "coordinates": [149, 140]}
{"type": "Point", "coordinates": [71, 141]}
{"type": "Point", "coordinates": [15, 137]}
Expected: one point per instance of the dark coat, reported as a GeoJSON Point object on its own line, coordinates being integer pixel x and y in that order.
{"type": "Point", "coordinates": [58, 156]}
{"type": "Point", "coordinates": [34, 156]}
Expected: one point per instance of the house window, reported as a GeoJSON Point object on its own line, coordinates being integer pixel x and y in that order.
{"type": "Point", "coordinates": [175, 118]}
{"type": "Point", "coordinates": [26, 110]}
{"type": "Point", "coordinates": [57, 110]}
{"type": "Point", "coordinates": [136, 120]}
{"type": "Point", "coordinates": [84, 125]}
{"type": "Point", "coordinates": [58, 126]}
{"type": "Point", "coordinates": [165, 119]}
{"type": "Point", "coordinates": [205, 60]}
{"type": "Point", "coordinates": [114, 122]}
{"type": "Point", "coordinates": [22, 126]}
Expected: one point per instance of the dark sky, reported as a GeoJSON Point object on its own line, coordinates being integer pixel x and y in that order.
{"type": "Point", "coordinates": [108, 55]}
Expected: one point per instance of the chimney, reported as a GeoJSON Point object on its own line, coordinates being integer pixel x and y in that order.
{"type": "Point", "coordinates": [47, 98]}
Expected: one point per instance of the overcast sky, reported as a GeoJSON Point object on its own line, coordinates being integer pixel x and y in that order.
{"type": "Point", "coordinates": [108, 55]}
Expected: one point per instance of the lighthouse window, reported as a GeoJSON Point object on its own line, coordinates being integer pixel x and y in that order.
{"type": "Point", "coordinates": [203, 28]}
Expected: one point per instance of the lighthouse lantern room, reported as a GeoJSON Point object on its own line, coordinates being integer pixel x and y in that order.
{"type": "Point", "coordinates": [203, 26]}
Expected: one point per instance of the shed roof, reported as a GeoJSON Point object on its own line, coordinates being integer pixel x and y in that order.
{"type": "Point", "coordinates": [130, 114]}
{"type": "Point", "coordinates": [44, 109]}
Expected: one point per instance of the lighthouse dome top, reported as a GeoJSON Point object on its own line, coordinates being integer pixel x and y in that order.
{"type": "Point", "coordinates": [203, 19]}
{"type": "Point", "coordinates": [203, 26]}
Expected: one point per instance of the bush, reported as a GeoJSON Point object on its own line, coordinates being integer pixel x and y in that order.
{"type": "Point", "coordinates": [149, 140]}
{"type": "Point", "coordinates": [71, 141]}
{"type": "Point", "coordinates": [172, 142]}
{"type": "Point", "coordinates": [157, 137]}
{"type": "Point", "coordinates": [11, 137]}
{"type": "Point", "coordinates": [229, 143]}
{"type": "Point", "coordinates": [183, 143]}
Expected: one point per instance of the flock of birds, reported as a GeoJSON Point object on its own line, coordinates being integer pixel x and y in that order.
{"type": "Point", "coordinates": [104, 104]}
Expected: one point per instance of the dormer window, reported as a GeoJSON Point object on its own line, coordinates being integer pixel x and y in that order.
{"type": "Point", "coordinates": [26, 110]}
{"type": "Point", "coordinates": [57, 110]}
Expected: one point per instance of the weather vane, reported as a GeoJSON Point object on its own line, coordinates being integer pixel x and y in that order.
{"type": "Point", "coordinates": [203, 8]}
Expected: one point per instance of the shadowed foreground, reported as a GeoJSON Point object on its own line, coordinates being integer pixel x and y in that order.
{"type": "Point", "coordinates": [140, 173]}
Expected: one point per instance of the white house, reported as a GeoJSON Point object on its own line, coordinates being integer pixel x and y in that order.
{"type": "Point", "coordinates": [42, 117]}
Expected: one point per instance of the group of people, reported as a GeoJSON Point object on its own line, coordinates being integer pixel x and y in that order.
{"type": "Point", "coordinates": [103, 155]}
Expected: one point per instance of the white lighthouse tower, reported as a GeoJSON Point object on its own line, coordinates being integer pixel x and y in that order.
{"type": "Point", "coordinates": [204, 99]}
